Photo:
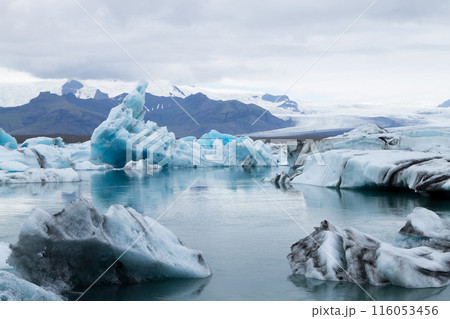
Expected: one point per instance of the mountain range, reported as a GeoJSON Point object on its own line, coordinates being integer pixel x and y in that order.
{"type": "Point", "coordinates": [67, 113]}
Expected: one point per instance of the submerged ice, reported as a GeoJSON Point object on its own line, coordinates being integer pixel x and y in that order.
{"type": "Point", "coordinates": [72, 248]}
{"type": "Point", "coordinates": [420, 258]}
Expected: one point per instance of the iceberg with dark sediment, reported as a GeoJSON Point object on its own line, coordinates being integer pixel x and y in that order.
{"type": "Point", "coordinates": [371, 157]}
{"type": "Point", "coordinates": [71, 249]}
{"type": "Point", "coordinates": [13, 288]}
{"type": "Point", "coordinates": [419, 259]}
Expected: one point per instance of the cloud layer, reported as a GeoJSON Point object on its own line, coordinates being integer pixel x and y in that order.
{"type": "Point", "coordinates": [397, 53]}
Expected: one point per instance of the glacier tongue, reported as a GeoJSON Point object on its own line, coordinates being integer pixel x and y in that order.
{"type": "Point", "coordinates": [72, 248]}
{"type": "Point", "coordinates": [331, 253]}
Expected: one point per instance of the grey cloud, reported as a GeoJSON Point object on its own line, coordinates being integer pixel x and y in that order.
{"type": "Point", "coordinates": [209, 41]}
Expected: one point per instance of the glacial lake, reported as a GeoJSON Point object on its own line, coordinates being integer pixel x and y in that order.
{"type": "Point", "coordinates": [243, 233]}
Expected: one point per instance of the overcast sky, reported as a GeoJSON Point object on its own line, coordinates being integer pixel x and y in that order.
{"type": "Point", "coordinates": [399, 52]}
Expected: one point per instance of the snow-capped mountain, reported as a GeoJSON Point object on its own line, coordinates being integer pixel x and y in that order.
{"type": "Point", "coordinates": [76, 108]}
{"type": "Point", "coordinates": [14, 94]}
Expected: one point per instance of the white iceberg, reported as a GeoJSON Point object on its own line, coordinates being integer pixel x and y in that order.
{"type": "Point", "coordinates": [39, 175]}
{"type": "Point", "coordinates": [13, 288]}
{"type": "Point", "coordinates": [45, 160]}
{"type": "Point", "coordinates": [4, 253]}
{"type": "Point", "coordinates": [71, 249]}
{"type": "Point", "coordinates": [57, 141]}
{"type": "Point", "coordinates": [374, 137]}
{"type": "Point", "coordinates": [383, 169]}
{"type": "Point", "coordinates": [331, 253]}
{"type": "Point", "coordinates": [7, 140]}
{"type": "Point", "coordinates": [371, 157]}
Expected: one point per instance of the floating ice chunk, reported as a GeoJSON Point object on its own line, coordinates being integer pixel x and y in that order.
{"type": "Point", "coordinates": [373, 137]}
{"type": "Point", "coordinates": [38, 175]}
{"type": "Point", "coordinates": [330, 253]}
{"type": "Point", "coordinates": [7, 140]}
{"type": "Point", "coordinates": [4, 253]}
{"type": "Point", "coordinates": [57, 141]}
{"type": "Point", "coordinates": [13, 288]}
{"type": "Point", "coordinates": [141, 165]}
{"type": "Point", "coordinates": [17, 160]}
{"type": "Point", "coordinates": [279, 179]}
{"type": "Point", "coordinates": [320, 255]}
{"type": "Point", "coordinates": [72, 248]}
{"type": "Point", "coordinates": [419, 267]}
{"type": "Point", "coordinates": [426, 223]}
{"type": "Point", "coordinates": [228, 150]}
{"type": "Point", "coordinates": [389, 169]}
{"type": "Point", "coordinates": [124, 136]}
{"type": "Point", "coordinates": [89, 166]}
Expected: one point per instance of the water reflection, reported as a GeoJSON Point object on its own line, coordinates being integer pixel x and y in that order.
{"type": "Point", "coordinates": [179, 289]}
{"type": "Point", "coordinates": [336, 290]}
{"type": "Point", "coordinates": [243, 234]}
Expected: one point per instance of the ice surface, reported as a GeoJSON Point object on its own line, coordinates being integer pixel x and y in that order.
{"type": "Point", "coordinates": [7, 140]}
{"type": "Point", "coordinates": [125, 126]}
{"type": "Point", "coordinates": [374, 137]}
{"type": "Point", "coordinates": [141, 165]}
{"type": "Point", "coordinates": [370, 156]}
{"type": "Point", "coordinates": [39, 175]}
{"type": "Point", "coordinates": [362, 169]}
{"type": "Point", "coordinates": [57, 141]}
{"type": "Point", "coordinates": [13, 288]}
{"type": "Point", "coordinates": [72, 248]}
{"type": "Point", "coordinates": [331, 253]}
{"type": "Point", "coordinates": [42, 160]}
{"type": "Point", "coordinates": [425, 223]}
{"type": "Point", "coordinates": [4, 253]}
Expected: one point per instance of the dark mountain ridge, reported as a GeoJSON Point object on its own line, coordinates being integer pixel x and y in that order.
{"type": "Point", "coordinates": [50, 113]}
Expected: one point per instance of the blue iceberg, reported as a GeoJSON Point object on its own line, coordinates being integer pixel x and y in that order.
{"type": "Point", "coordinates": [7, 140]}
{"type": "Point", "coordinates": [125, 137]}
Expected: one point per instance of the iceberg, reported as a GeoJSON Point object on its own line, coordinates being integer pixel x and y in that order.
{"type": "Point", "coordinates": [124, 137]}
{"type": "Point", "coordinates": [71, 249]}
{"type": "Point", "coordinates": [374, 137]}
{"type": "Point", "coordinates": [13, 288]}
{"type": "Point", "coordinates": [115, 140]}
{"type": "Point", "coordinates": [7, 140]}
{"type": "Point", "coordinates": [377, 169]}
{"type": "Point", "coordinates": [57, 141]}
{"type": "Point", "coordinates": [371, 157]}
{"type": "Point", "coordinates": [4, 253]}
{"type": "Point", "coordinates": [331, 253]}
{"type": "Point", "coordinates": [39, 175]}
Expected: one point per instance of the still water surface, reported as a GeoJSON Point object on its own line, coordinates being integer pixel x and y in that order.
{"type": "Point", "coordinates": [243, 234]}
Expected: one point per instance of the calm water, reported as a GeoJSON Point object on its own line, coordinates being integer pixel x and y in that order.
{"type": "Point", "coordinates": [243, 234]}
